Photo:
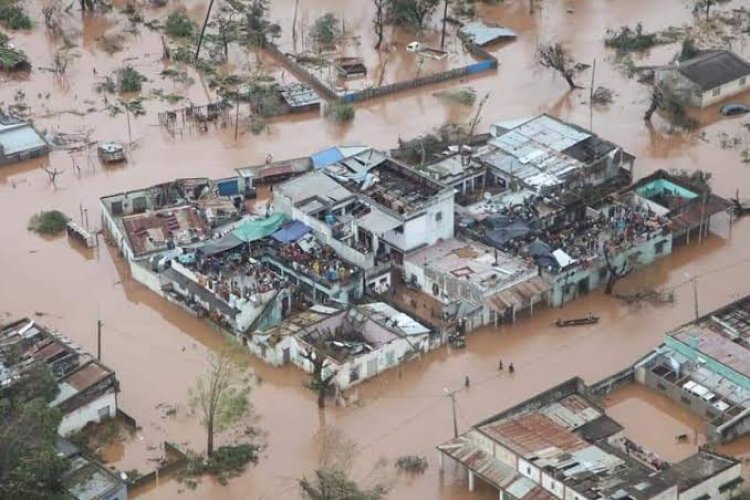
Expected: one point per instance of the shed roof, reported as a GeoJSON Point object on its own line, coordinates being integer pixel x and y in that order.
{"type": "Point", "coordinates": [17, 136]}
{"type": "Point", "coordinates": [712, 68]}
{"type": "Point", "coordinates": [482, 34]}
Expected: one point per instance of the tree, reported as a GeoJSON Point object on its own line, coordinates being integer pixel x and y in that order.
{"type": "Point", "coordinates": [332, 479]}
{"type": "Point", "coordinates": [414, 13]}
{"type": "Point", "coordinates": [615, 274]}
{"type": "Point", "coordinates": [319, 382]}
{"type": "Point", "coordinates": [29, 464]}
{"type": "Point", "coordinates": [655, 103]}
{"type": "Point", "coordinates": [555, 56]}
{"type": "Point", "coordinates": [257, 29]}
{"type": "Point", "coordinates": [700, 6]}
{"type": "Point", "coordinates": [325, 30]}
{"type": "Point", "coordinates": [221, 396]}
{"type": "Point", "coordinates": [379, 21]}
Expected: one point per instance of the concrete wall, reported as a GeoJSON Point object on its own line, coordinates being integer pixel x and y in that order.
{"type": "Point", "coordinates": [711, 487]}
{"type": "Point", "coordinates": [565, 285]}
{"type": "Point", "coordinates": [725, 91]}
{"type": "Point", "coordinates": [77, 419]}
{"type": "Point", "coordinates": [555, 487]}
{"type": "Point", "coordinates": [713, 365]}
{"type": "Point", "coordinates": [425, 229]}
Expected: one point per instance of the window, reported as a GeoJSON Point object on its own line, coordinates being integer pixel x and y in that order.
{"type": "Point", "coordinates": [743, 81]}
{"type": "Point", "coordinates": [399, 229]}
{"type": "Point", "coordinates": [104, 412]}
{"type": "Point", "coordinates": [716, 91]}
{"type": "Point", "coordinates": [659, 247]}
{"type": "Point", "coordinates": [602, 274]}
{"type": "Point", "coordinates": [390, 358]}
{"type": "Point", "coordinates": [354, 373]}
{"type": "Point", "coordinates": [439, 216]}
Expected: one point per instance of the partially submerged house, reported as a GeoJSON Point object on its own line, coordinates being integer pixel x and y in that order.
{"type": "Point", "coordinates": [370, 209]}
{"type": "Point", "coordinates": [709, 77]}
{"type": "Point", "coordinates": [196, 242]}
{"type": "Point", "coordinates": [85, 479]}
{"type": "Point", "coordinates": [19, 140]}
{"type": "Point", "coordinates": [477, 284]}
{"type": "Point", "coordinates": [704, 366]}
{"type": "Point", "coordinates": [691, 209]}
{"type": "Point", "coordinates": [87, 388]}
{"type": "Point", "coordinates": [562, 444]}
{"type": "Point", "coordinates": [358, 342]}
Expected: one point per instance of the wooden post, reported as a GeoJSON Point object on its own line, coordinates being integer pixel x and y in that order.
{"type": "Point", "coordinates": [445, 17]}
{"type": "Point", "coordinates": [591, 97]}
{"type": "Point", "coordinates": [99, 340]}
{"type": "Point", "coordinates": [203, 29]}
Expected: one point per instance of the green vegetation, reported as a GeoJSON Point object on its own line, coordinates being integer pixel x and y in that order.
{"type": "Point", "coordinates": [12, 16]}
{"type": "Point", "coordinates": [627, 39]}
{"type": "Point", "coordinates": [340, 112]}
{"type": "Point", "coordinates": [257, 124]}
{"type": "Point", "coordinates": [258, 30]}
{"type": "Point", "coordinates": [465, 96]}
{"type": "Point", "coordinates": [226, 462]}
{"type": "Point", "coordinates": [698, 178]}
{"type": "Point", "coordinates": [11, 59]}
{"type": "Point", "coordinates": [413, 13]}
{"type": "Point", "coordinates": [688, 50]}
{"type": "Point", "coordinates": [412, 463]}
{"type": "Point", "coordinates": [325, 30]}
{"type": "Point", "coordinates": [129, 80]}
{"type": "Point", "coordinates": [179, 25]}
{"type": "Point", "coordinates": [48, 222]}
{"type": "Point", "coordinates": [29, 464]}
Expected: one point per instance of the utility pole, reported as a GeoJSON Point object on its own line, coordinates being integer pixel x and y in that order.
{"type": "Point", "coordinates": [445, 18]}
{"type": "Point", "coordinates": [203, 30]}
{"type": "Point", "coordinates": [695, 297]}
{"type": "Point", "coordinates": [98, 340]}
{"type": "Point", "coordinates": [452, 395]}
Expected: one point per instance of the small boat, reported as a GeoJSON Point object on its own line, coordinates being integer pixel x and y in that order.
{"type": "Point", "coordinates": [111, 152]}
{"type": "Point", "coordinates": [588, 320]}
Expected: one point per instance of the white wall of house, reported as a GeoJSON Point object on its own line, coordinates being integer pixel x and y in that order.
{"type": "Point", "coordinates": [435, 222]}
{"type": "Point", "coordinates": [722, 92]}
{"type": "Point", "coordinates": [368, 365]}
{"type": "Point", "coordinates": [552, 485]}
{"type": "Point", "coordinates": [711, 486]}
{"type": "Point", "coordinates": [102, 408]}
{"type": "Point", "coordinates": [121, 240]}
{"type": "Point", "coordinates": [527, 469]}
{"type": "Point", "coordinates": [145, 276]}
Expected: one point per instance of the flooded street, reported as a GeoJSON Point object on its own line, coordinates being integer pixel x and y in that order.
{"type": "Point", "coordinates": [158, 350]}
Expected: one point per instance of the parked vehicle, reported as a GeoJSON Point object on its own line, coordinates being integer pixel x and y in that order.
{"type": "Point", "coordinates": [734, 109]}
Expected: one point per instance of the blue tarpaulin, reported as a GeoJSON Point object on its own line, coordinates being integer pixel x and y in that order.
{"type": "Point", "coordinates": [228, 187]}
{"type": "Point", "coordinates": [291, 232]}
{"type": "Point", "coordinates": [327, 157]}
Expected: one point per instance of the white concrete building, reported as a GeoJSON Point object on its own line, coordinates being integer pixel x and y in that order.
{"type": "Point", "coordinates": [488, 282]}
{"type": "Point", "coordinates": [371, 210]}
{"type": "Point", "coordinates": [358, 342]}
{"type": "Point", "coordinates": [709, 77]}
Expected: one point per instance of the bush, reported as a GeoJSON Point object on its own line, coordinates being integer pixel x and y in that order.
{"type": "Point", "coordinates": [412, 463]}
{"type": "Point", "coordinates": [179, 25]}
{"type": "Point", "coordinates": [689, 50]}
{"type": "Point", "coordinates": [225, 463]}
{"type": "Point", "coordinates": [48, 222]}
{"type": "Point", "coordinates": [13, 17]}
{"type": "Point", "coordinates": [627, 39]}
{"type": "Point", "coordinates": [129, 80]}
{"type": "Point", "coordinates": [341, 112]}
{"type": "Point", "coordinates": [325, 30]}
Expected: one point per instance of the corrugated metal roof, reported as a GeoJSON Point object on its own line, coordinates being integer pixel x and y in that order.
{"type": "Point", "coordinates": [532, 433]}
{"type": "Point", "coordinates": [18, 137]}
{"type": "Point", "coordinates": [395, 319]}
{"type": "Point", "coordinates": [482, 34]}
{"type": "Point", "coordinates": [518, 294]}
{"type": "Point", "coordinates": [492, 470]}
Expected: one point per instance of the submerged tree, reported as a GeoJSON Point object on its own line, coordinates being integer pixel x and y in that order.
{"type": "Point", "coordinates": [615, 274]}
{"type": "Point", "coordinates": [257, 29]}
{"type": "Point", "coordinates": [333, 479]}
{"type": "Point", "coordinates": [321, 378]}
{"type": "Point", "coordinates": [325, 30]}
{"type": "Point", "coordinates": [29, 464]}
{"type": "Point", "coordinates": [555, 56]}
{"type": "Point", "coordinates": [221, 396]}
{"type": "Point", "coordinates": [704, 6]}
{"type": "Point", "coordinates": [379, 21]}
{"type": "Point", "coordinates": [414, 13]}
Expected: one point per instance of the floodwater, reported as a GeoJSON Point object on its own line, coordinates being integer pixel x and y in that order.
{"type": "Point", "coordinates": [157, 349]}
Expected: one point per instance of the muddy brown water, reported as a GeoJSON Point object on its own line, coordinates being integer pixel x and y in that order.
{"type": "Point", "coordinates": [157, 349]}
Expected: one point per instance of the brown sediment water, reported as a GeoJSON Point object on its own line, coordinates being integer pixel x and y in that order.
{"type": "Point", "coordinates": [157, 349]}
